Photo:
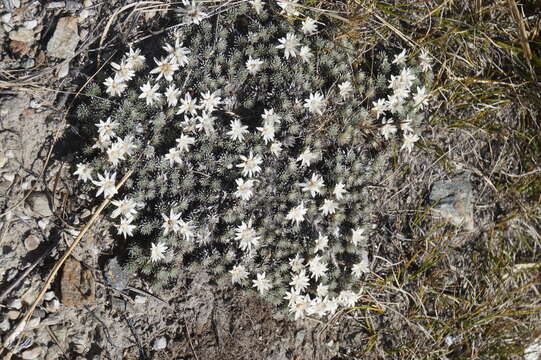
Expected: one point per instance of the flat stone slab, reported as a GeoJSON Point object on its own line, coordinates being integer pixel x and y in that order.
{"type": "Point", "coordinates": [453, 201]}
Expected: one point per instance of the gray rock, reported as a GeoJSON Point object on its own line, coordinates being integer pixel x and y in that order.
{"type": "Point", "coordinates": [22, 35]}
{"type": "Point", "coordinates": [160, 343]}
{"type": "Point", "coordinates": [73, 5]}
{"type": "Point", "coordinates": [453, 200]}
{"type": "Point", "coordinates": [65, 39]}
{"type": "Point", "coordinates": [56, 5]}
{"type": "Point", "coordinates": [63, 70]}
{"type": "Point", "coordinates": [31, 242]}
{"type": "Point", "coordinates": [115, 275]}
{"type": "Point", "coordinates": [30, 354]}
{"type": "Point", "coordinates": [39, 204]}
{"type": "Point", "coordinates": [30, 24]}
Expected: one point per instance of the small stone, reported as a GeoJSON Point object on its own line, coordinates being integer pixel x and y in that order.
{"type": "Point", "coordinates": [160, 343]}
{"type": "Point", "coordinates": [65, 39]}
{"type": "Point", "coordinates": [9, 177]}
{"type": "Point", "coordinates": [34, 322]}
{"type": "Point", "coordinates": [39, 204]}
{"type": "Point", "coordinates": [13, 315]}
{"type": "Point", "coordinates": [31, 242]}
{"type": "Point", "coordinates": [84, 14]}
{"type": "Point", "coordinates": [30, 354]}
{"type": "Point", "coordinates": [4, 324]}
{"type": "Point", "coordinates": [49, 295]}
{"type": "Point", "coordinates": [28, 63]}
{"type": "Point", "coordinates": [16, 304]}
{"type": "Point", "coordinates": [42, 224]}
{"type": "Point", "coordinates": [140, 299]}
{"type": "Point", "coordinates": [63, 70]}
{"type": "Point", "coordinates": [88, 3]}
{"type": "Point", "coordinates": [6, 18]}
{"type": "Point", "coordinates": [30, 24]}
{"type": "Point", "coordinates": [23, 35]}
{"type": "Point", "coordinates": [52, 306]}
{"type": "Point", "coordinates": [453, 201]}
{"type": "Point", "coordinates": [56, 5]}
{"type": "Point", "coordinates": [115, 275]}
{"type": "Point", "coordinates": [73, 5]}
{"type": "Point", "coordinates": [7, 27]}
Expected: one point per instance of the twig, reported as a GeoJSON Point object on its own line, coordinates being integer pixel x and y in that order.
{"type": "Point", "coordinates": [190, 340]}
{"type": "Point", "coordinates": [55, 339]}
{"type": "Point", "coordinates": [22, 323]}
{"type": "Point", "coordinates": [142, 292]}
{"type": "Point", "coordinates": [535, 171]}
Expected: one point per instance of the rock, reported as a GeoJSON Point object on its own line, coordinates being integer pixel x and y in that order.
{"type": "Point", "coordinates": [30, 24]}
{"type": "Point", "coordinates": [65, 38]}
{"type": "Point", "coordinates": [52, 306]}
{"type": "Point", "coordinates": [23, 35]}
{"type": "Point", "coordinates": [28, 63]}
{"type": "Point", "coordinates": [49, 295]}
{"type": "Point", "coordinates": [34, 322]}
{"type": "Point", "coordinates": [16, 304]}
{"type": "Point", "coordinates": [12, 4]}
{"type": "Point", "coordinates": [31, 242]}
{"type": "Point", "coordinates": [453, 200]}
{"type": "Point", "coordinates": [39, 204]}
{"type": "Point", "coordinates": [77, 285]}
{"type": "Point", "coordinates": [56, 5]}
{"type": "Point", "coordinates": [115, 275]}
{"type": "Point", "coordinates": [73, 5]}
{"type": "Point", "coordinates": [6, 18]}
{"type": "Point", "coordinates": [13, 314]}
{"type": "Point", "coordinates": [19, 48]}
{"type": "Point", "coordinates": [30, 354]}
{"type": "Point", "coordinates": [4, 324]}
{"type": "Point", "coordinates": [63, 70]}
{"type": "Point", "coordinates": [140, 299]}
{"type": "Point", "coordinates": [160, 343]}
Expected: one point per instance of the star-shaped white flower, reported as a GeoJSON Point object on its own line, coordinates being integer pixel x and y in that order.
{"type": "Point", "coordinates": [174, 156]}
{"type": "Point", "coordinates": [300, 281]}
{"type": "Point", "coordinates": [166, 67]}
{"type": "Point", "coordinates": [358, 238]}
{"type": "Point", "coordinates": [379, 107]}
{"type": "Point", "coordinates": [106, 129]}
{"type": "Point", "coordinates": [83, 172]}
{"type": "Point", "coordinates": [314, 185]}
{"type": "Point", "coordinates": [297, 263]}
{"type": "Point", "coordinates": [150, 93]}
{"type": "Point", "coordinates": [123, 71]}
{"type": "Point", "coordinates": [315, 103]}
{"type": "Point", "coordinates": [297, 213]}
{"type": "Point", "coordinates": [157, 252]}
{"type": "Point", "coordinates": [322, 242]}
{"type": "Point", "coordinates": [262, 284]}
{"type": "Point", "coordinates": [346, 90]}
{"type": "Point", "coordinates": [328, 207]}
{"type": "Point", "coordinates": [250, 165]}
{"type": "Point", "coordinates": [237, 130]}
{"type": "Point", "coordinates": [135, 60]}
{"type": "Point", "coordinates": [339, 191]}
{"type": "Point", "coordinates": [305, 54]}
{"type": "Point", "coordinates": [289, 7]}
{"type": "Point", "coordinates": [317, 267]}
{"type": "Point", "coordinates": [172, 94]}
{"type": "Point", "coordinates": [184, 142]}
{"type": "Point", "coordinates": [125, 228]}
{"type": "Point", "coordinates": [187, 105]}
{"type": "Point", "coordinates": [409, 140]}
{"type": "Point", "coordinates": [125, 207]}
{"type": "Point", "coordinates": [309, 26]}
{"type": "Point", "coordinates": [178, 53]}
{"type": "Point", "coordinates": [115, 86]}
{"type": "Point", "coordinates": [420, 98]}
{"type": "Point", "coordinates": [270, 117]}
{"type": "Point", "coordinates": [348, 298]}
{"type": "Point", "coordinates": [247, 236]}
{"type": "Point", "coordinates": [205, 122]}
{"type": "Point", "coordinates": [245, 189]}
{"type": "Point", "coordinates": [238, 274]}
{"type": "Point", "coordinates": [209, 101]}
{"type": "Point", "coordinates": [171, 222]}
{"type": "Point", "coordinates": [267, 131]}
{"type": "Point", "coordinates": [289, 44]}
{"type": "Point", "coordinates": [400, 59]}
{"type": "Point", "coordinates": [362, 267]}
{"type": "Point", "coordinates": [276, 148]}
{"type": "Point", "coordinates": [425, 61]}
{"type": "Point", "coordinates": [106, 184]}
{"type": "Point", "coordinates": [307, 157]}
{"type": "Point", "coordinates": [254, 65]}
{"type": "Point", "coordinates": [388, 129]}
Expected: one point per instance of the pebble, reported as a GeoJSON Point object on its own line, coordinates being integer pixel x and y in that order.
{"type": "Point", "coordinates": [16, 304]}
{"type": "Point", "coordinates": [56, 5]}
{"type": "Point", "coordinates": [115, 275]}
{"type": "Point", "coordinates": [13, 314]}
{"type": "Point", "coordinates": [73, 5]}
{"type": "Point", "coordinates": [22, 35]}
{"type": "Point", "coordinates": [39, 204]}
{"type": "Point", "coordinates": [140, 299]}
{"type": "Point", "coordinates": [65, 39]}
{"type": "Point", "coordinates": [4, 324]}
{"type": "Point", "coordinates": [30, 354]}
{"type": "Point", "coordinates": [5, 18]}
{"type": "Point", "coordinates": [31, 242]}
{"type": "Point", "coordinates": [453, 200]}
{"type": "Point", "coordinates": [53, 306]}
{"type": "Point", "coordinates": [34, 322]}
{"type": "Point", "coordinates": [49, 295]}
{"type": "Point", "coordinates": [160, 343]}
{"type": "Point", "coordinates": [30, 24]}
{"type": "Point", "coordinates": [63, 70]}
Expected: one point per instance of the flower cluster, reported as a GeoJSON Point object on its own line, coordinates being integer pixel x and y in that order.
{"type": "Point", "coordinates": [248, 157]}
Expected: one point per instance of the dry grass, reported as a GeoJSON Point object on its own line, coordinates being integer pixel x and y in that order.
{"type": "Point", "coordinates": [479, 300]}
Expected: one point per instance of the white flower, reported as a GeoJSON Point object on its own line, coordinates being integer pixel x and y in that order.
{"type": "Point", "coordinates": [269, 117]}
{"type": "Point", "coordinates": [206, 122]}
{"type": "Point", "coordinates": [409, 140]}
{"type": "Point", "coordinates": [321, 243]}
{"type": "Point", "coordinates": [106, 184]}
{"type": "Point", "coordinates": [188, 105]}
{"type": "Point", "coordinates": [420, 98]}
{"type": "Point", "coordinates": [339, 191]}
{"type": "Point", "coordinates": [331, 305]}
{"type": "Point", "coordinates": [300, 281]}
{"type": "Point", "coordinates": [192, 12]}
{"type": "Point", "coordinates": [149, 93]}
{"type": "Point", "coordinates": [289, 7]}
{"type": "Point", "coordinates": [425, 61]}
{"type": "Point", "coordinates": [83, 172]}
{"type": "Point", "coordinates": [244, 189]}
{"type": "Point", "coordinates": [247, 236]}
{"type": "Point", "coordinates": [267, 131]}
{"type": "Point", "coordinates": [358, 237]}
{"type": "Point", "coordinates": [253, 65]}
{"type": "Point", "coordinates": [309, 26]}
{"type": "Point", "coordinates": [388, 129]}
{"type": "Point", "coordinates": [237, 130]}
{"type": "Point", "coordinates": [328, 207]}
{"type": "Point", "coordinates": [315, 103]}
{"type": "Point", "coordinates": [394, 104]}
{"type": "Point", "coordinates": [322, 290]}
{"type": "Point", "coordinates": [102, 144]}
{"type": "Point", "coordinates": [171, 222]}
{"type": "Point", "coordinates": [123, 71]}
{"type": "Point", "coordinates": [172, 94]}
{"type": "Point", "coordinates": [210, 102]}
{"type": "Point", "coordinates": [174, 156]}
{"type": "Point", "coordinates": [318, 307]}
{"type": "Point", "coordinates": [250, 164]}
{"type": "Point", "coordinates": [258, 5]}
{"type": "Point", "coordinates": [297, 213]}
{"type": "Point", "coordinates": [406, 78]}
{"type": "Point", "coordinates": [307, 157]}
{"type": "Point", "coordinates": [125, 207]}
{"type": "Point", "coordinates": [125, 228]}
{"type": "Point", "coordinates": [238, 274]}
{"type": "Point", "coordinates": [300, 306]}
{"type": "Point", "coordinates": [178, 54]}
{"type": "Point", "coordinates": [305, 54]}
{"type": "Point", "coordinates": [276, 148]}
{"type": "Point", "coordinates": [292, 296]}
{"type": "Point", "coordinates": [184, 142]}
{"type": "Point", "coordinates": [405, 126]}
{"type": "Point", "coordinates": [186, 229]}
{"type": "Point", "coordinates": [126, 145]}
{"type": "Point", "coordinates": [346, 90]}
{"type": "Point", "coordinates": [348, 298]}
{"type": "Point", "coordinates": [400, 59]}
{"type": "Point", "coordinates": [157, 252]}
{"type": "Point", "coordinates": [115, 86]}
{"type": "Point", "coordinates": [106, 129]}
{"type": "Point", "coordinates": [363, 267]}
{"type": "Point", "coordinates": [262, 284]}
{"type": "Point", "coordinates": [115, 154]}
{"type": "Point", "coordinates": [296, 263]}
{"type": "Point", "coordinates": [135, 60]}
{"type": "Point", "coordinates": [317, 267]}
{"type": "Point", "coordinates": [314, 185]}
{"type": "Point", "coordinates": [379, 107]}
{"type": "Point", "coordinates": [289, 44]}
